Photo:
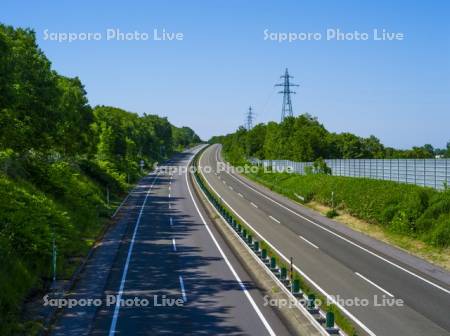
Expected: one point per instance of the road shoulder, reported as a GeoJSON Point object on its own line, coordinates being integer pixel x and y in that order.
{"type": "Point", "coordinates": [400, 256]}
{"type": "Point", "coordinates": [93, 277]}
{"type": "Point", "coordinates": [297, 323]}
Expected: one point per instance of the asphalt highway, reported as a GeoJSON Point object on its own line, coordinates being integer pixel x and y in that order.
{"type": "Point", "coordinates": [341, 266]}
{"type": "Point", "coordinates": [173, 252]}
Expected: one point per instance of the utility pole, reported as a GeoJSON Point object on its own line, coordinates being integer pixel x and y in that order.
{"type": "Point", "coordinates": [249, 118]}
{"type": "Point", "coordinates": [286, 110]}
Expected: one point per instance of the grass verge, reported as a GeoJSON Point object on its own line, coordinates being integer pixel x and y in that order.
{"type": "Point", "coordinates": [56, 203]}
{"type": "Point", "coordinates": [413, 218]}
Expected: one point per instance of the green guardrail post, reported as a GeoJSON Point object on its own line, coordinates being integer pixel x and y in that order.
{"type": "Point", "coordinates": [311, 299]}
{"type": "Point", "coordinates": [264, 254]}
{"type": "Point", "coordinates": [273, 263]}
{"type": "Point", "coordinates": [330, 320]}
{"type": "Point", "coordinates": [296, 286]}
{"type": "Point", "coordinates": [250, 239]}
{"type": "Point", "coordinates": [283, 275]}
{"type": "Point", "coordinates": [256, 246]}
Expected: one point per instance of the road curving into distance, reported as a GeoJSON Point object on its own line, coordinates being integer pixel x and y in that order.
{"type": "Point", "coordinates": [173, 251]}
{"type": "Point", "coordinates": [340, 265]}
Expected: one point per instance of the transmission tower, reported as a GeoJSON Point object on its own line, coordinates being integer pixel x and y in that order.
{"type": "Point", "coordinates": [286, 110]}
{"type": "Point", "coordinates": [249, 118]}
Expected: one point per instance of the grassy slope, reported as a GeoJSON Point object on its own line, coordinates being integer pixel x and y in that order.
{"type": "Point", "coordinates": [61, 198]}
{"type": "Point", "coordinates": [411, 217]}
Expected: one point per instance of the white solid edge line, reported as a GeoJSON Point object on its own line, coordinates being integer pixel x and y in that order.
{"type": "Point", "coordinates": [343, 238]}
{"type": "Point", "coordinates": [330, 298]}
{"type": "Point", "coordinates": [174, 244]}
{"type": "Point", "coordinates": [183, 291]}
{"type": "Point", "coordinates": [306, 240]}
{"type": "Point", "coordinates": [274, 219]}
{"type": "Point", "coordinates": [238, 279]}
{"type": "Point", "coordinates": [272, 275]}
{"type": "Point", "coordinates": [122, 203]}
{"type": "Point", "coordinates": [126, 198]}
{"type": "Point", "coordinates": [374, 284]}
{"type": "Point", "coordinates": [112, 328]}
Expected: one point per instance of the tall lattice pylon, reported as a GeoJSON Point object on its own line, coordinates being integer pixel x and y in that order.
{"type": "Point", "coordinates": [286, 110]}
{"type": "Point", "coordinates": [249, 118]}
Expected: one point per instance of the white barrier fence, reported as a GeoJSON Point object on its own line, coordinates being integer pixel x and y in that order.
{"type": "Point", "coordinates": [434, 173]}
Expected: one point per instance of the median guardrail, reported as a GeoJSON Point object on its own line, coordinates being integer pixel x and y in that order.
{"type": "Point", "coordinates": [329, 317]}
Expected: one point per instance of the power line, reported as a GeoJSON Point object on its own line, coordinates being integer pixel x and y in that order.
{"type": "Point", "coordinates": [286, 110]}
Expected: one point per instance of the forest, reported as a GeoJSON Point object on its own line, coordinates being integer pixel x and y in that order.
{"type": "Point", "coordinates": [64, 166]}
{"type": "Point", "coordinates": [399, 210]}
{"type": "Point", "coordinates": [305, 139]}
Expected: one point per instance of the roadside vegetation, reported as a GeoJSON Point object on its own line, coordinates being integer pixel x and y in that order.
{"type": "Point", "coordinates": [409, 210]}
{"type": "Point", "coordinates": [408, 216]}
{"type": "Point", "coordinates": [305, 139]}
{"type": "Point", "coordinates": [64, 166]}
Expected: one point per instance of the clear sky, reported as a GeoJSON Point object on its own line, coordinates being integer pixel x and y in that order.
{"type": "Point", "coordinates": [397, 90]}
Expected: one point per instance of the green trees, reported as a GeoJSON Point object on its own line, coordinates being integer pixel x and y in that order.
{"type": "Point", "coordinates": [184, 137]}
{"type": "Point", "coordinates": [59, 157]}
{"type": "Point", "coordinates": [29, 99]}
{"type": "Point", "coordinates": [123, 139]}
{"type": "Point", "coordinates": [45, 112]}
{"type": "Point", "coordinates": [308, 139]}
{"type": "Point", "coordinates": [304, 138]}
{"type": "Point", "coordinates": [73, 127]}
{"type": "Point", "coordinates": [255, 141]}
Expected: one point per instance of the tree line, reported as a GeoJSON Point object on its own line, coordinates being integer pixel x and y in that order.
{"type": "Point", "coordinates": [64, 168]}
{"type": "Point", "coordinates": [46, 114]}
{"type": "Point", "coordinates": [304, 138]}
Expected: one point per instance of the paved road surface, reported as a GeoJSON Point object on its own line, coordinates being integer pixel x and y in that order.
{"type": "Point", "coordinates": [340, 264]}
{"type": "Point", "coordinates": [169, 252]}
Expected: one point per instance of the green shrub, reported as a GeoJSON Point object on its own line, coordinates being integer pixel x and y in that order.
{"type": "Point", "coordinates": [103, 176]}
{"type": "Point", "coordinates": [439, 204]}
{"type": "Point", "coordinates": [332, 213]}
{"type": "Point", "coordinates": [440, 235]}
{"type": "Point", "coordinates": [58, 200]}
{"type": "Point", "coordinates": [401, 208]}
{"type": "Point", "coordinates": [27, 219]}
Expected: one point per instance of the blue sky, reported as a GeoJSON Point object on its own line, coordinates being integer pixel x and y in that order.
{"type": "Point", "coordinates": [396, 90]}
